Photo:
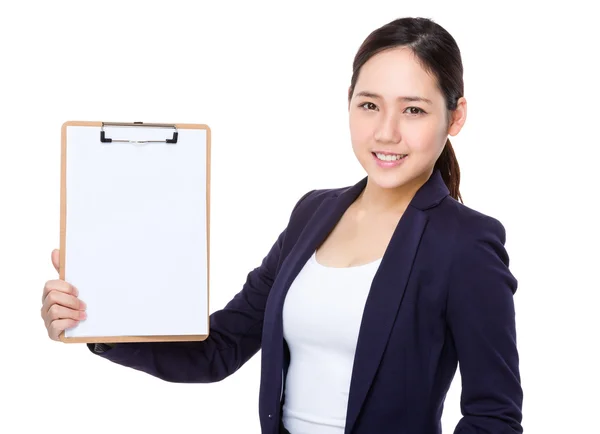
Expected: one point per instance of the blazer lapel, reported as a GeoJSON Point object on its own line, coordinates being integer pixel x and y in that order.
{"type": "Point", "coordinates": [387, 291]}
{"type": "Point", "coordinates": [383, 302]}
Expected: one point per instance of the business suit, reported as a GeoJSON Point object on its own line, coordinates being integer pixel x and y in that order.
{"type": "Point", "coordinates": [443, 293]}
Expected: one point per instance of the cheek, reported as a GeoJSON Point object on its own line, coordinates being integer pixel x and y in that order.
{"type": "Point", "coordinates": [361, 131]}
{"type": "Point", "coordinates": [425, 138]}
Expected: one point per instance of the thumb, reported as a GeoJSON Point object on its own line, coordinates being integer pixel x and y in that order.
{"type": "Point", "coordinates": [56, 259]}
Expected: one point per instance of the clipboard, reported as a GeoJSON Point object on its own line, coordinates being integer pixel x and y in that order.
{"type": "Point", "coordinates": [135, 229]}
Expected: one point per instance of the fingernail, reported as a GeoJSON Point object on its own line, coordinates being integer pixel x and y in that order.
{"type": "Point", "coordinates": [82, 315]}
{"type": "Point", "coordinates": [82, 305]}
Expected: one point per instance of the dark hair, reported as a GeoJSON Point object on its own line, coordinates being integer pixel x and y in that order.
{"type": "Point", "coordinates": [438, 53]}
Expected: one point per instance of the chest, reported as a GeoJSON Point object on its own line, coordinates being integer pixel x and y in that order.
{"type": "Point", "coordinates": [356, 241]}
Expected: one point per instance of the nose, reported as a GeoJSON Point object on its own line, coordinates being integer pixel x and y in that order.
{"type": "Point", "coordinates": [388, 130]}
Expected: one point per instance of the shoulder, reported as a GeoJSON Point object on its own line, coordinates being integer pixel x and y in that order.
{"type": "Point", "coordinates": [468, 224]}
{"type": "Point", "coordinates": [468, 240]}
{"type": "Point", "coordinates": [308, 203]}
{"type": "Point", "coordinates": [477, 243]}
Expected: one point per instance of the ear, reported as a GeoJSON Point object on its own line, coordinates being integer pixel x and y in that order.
{"type": "Point", "coordinates": [458, 117]}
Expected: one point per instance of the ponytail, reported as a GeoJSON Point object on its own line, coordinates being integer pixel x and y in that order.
{"type": "Point", "coordinates": [448, 166]}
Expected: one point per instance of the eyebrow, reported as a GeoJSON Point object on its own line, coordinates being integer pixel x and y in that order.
{"type": "Point", "coordinates": [400, 98]}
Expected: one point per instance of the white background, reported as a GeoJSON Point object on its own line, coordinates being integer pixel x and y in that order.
{"type": "Point", "coordinates": [271, 82]}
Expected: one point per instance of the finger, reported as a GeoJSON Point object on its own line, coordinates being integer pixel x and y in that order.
{"type": "Point", "coordinates": [58, 285]}
{"type": "Point", "coordinates": [56, 259]}
{"type": "Point", "coordinates": [58, 326]}
{"type": "Point", "coordinates": [57, 312]}
{"type": "Point", "coordinates": [61, 299]}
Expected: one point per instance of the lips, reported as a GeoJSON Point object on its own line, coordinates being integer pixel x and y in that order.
{"type": "Point", "coordinates": [388, 160]}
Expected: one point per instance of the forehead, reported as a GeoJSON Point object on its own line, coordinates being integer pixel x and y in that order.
{"type": "Point", "coordinates": [396, 72]}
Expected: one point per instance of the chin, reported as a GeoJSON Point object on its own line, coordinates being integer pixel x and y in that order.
{"type": "Point", "coordinates": [388, 180]}
{"type": "Point", "coordinates": [396, 177]}
{"type": "Point", "coordinates": [392, 175]}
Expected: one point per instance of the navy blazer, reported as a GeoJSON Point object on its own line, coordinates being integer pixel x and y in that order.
{"type": "Point", "coordinates": [442, 297]}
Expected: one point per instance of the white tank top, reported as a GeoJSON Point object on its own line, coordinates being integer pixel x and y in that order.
{"type": "Point", "coordinates": [322, 314]}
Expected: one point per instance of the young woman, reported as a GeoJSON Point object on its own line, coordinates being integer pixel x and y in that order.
{"type": "Point", "coordinates": [373, 294]}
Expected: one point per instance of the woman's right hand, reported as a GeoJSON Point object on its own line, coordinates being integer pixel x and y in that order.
{"type": "Point", "coordinates": [61, 307]}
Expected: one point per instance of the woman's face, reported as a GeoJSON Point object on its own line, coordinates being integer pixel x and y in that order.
{"type": "Point", "coordinates": [397, 117]}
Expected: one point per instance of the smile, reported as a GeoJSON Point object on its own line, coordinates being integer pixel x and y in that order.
{"type": "Point", "coordinates": [389, 157]}
{"type": "Point", "coordinates": [387, 160]}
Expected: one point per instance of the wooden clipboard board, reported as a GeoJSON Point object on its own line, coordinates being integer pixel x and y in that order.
{"type": "Point", "coordinates": [173, 135]}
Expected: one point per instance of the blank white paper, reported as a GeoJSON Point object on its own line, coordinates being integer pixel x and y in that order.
{"type": "Point", "coordinates": [136, 234]}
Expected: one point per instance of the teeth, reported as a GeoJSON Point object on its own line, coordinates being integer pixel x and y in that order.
{"type": "Point", "coordinates": [387, 157]}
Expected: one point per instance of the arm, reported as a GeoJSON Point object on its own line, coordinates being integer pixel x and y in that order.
{"type": "Point", "coordinates": [235, 335]}
{"type": "Point", "coordinates": [481, 316]}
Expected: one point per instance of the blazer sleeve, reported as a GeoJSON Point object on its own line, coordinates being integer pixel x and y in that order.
{"type": "Point", "coordinates": [481, 317]}
{"type": "Point", "coordinates": [234, 337]}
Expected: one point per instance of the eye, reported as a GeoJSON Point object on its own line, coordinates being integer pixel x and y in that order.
{"type": "Point", "coordinates": [368, 106]}
{"type": "Point", "coordinates": [415, 110]}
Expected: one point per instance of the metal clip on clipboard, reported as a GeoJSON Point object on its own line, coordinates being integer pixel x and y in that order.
{"type": "Point", "coordinates": [105, 139]}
